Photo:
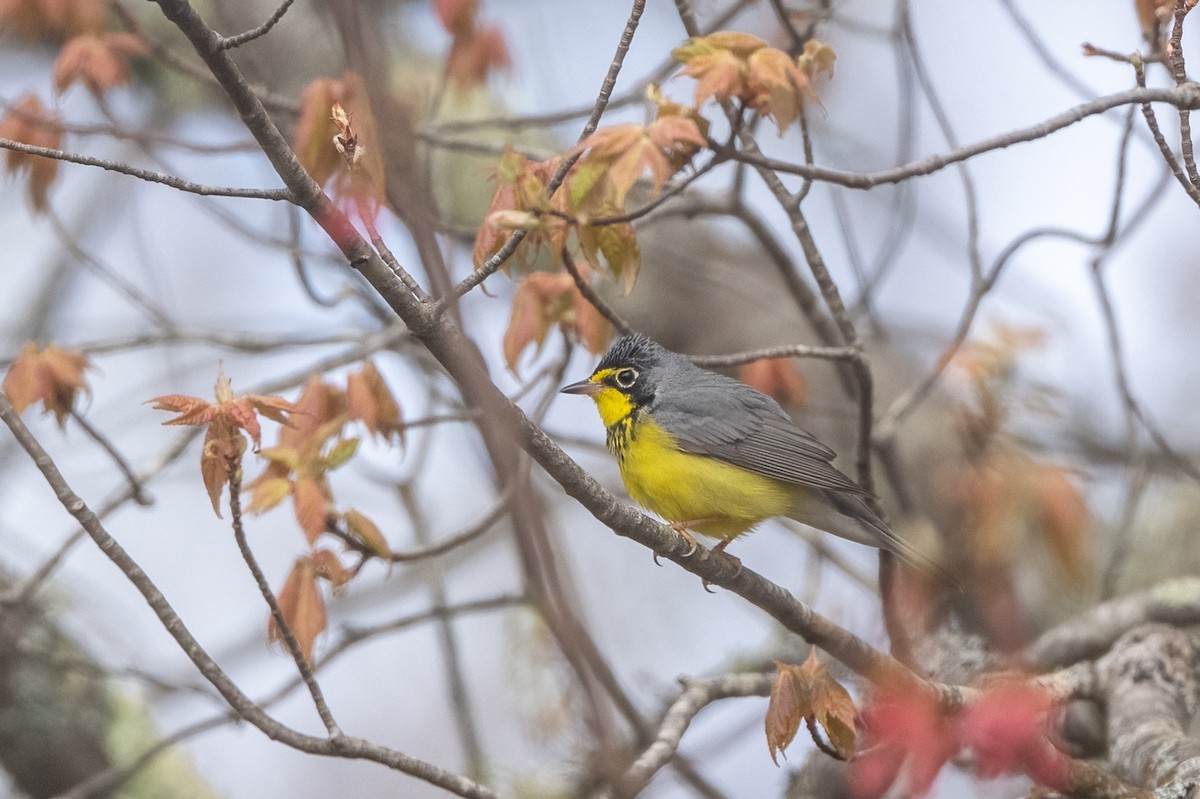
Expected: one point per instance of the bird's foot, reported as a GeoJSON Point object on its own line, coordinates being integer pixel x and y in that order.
{"type": "Point", "coordinates": [682, 529]}
{"type": "Point", "coordinates": [719, 550]}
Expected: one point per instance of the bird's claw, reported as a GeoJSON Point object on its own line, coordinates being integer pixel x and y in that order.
{"type": "Point", "coordinates": [719, 549]}
{"type": "Point", "coordinates": [682, 529]}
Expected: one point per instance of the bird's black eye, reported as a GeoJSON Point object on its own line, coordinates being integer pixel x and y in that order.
{"type": "Point", "coordinates": [626, 378]}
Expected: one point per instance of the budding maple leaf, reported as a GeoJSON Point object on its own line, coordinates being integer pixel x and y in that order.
{"type": "Point", "coordinates": [545, 299]}
{"type": "Point", "coordinates": [53, 19]}
{"type": "Point", "coordinates": [809, 692]}
{"type": "Point", "coordinates": [728, 65]}
{"type": "Point", "coordinates": [346, 140]}
{"type": "Point", "coordinates": [369, 401]}
{"type": "Point", "coordinates": [337, 139]}
{"type": "Point", "coordinates": [52, 376]}
{"type": "Point", "coordinates": [29, 122]}
{"type": "Point", "coordinates": [224, 443]}
{"type": "Point", "coordinates": [778, 377]}
{"type": "Point", "coordinates": [302, 607]}
{"type": "Point", "coordinates": [100, 61]}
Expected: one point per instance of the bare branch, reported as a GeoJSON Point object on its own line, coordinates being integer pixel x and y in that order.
{"type": "Point", "coordinates": [146, 174]}
{"type": "Point", "coordinates": [231, 42]}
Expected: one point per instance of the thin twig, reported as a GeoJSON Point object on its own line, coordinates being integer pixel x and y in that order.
{"type": "Point", "coordinates": [786, 351]}
{"type": "Point", "coordinates": [136, 490]}
{"type": "Point", "coordinates": [230, 42]}
{"type": "Point", "coordinates": [285, 632]}
{"type": "Point", "coordinates": [146, 174]}
{"type": "Point", "coordinates": [1187, 96]}
{"type": "Point", "coordinates": [589, 294]}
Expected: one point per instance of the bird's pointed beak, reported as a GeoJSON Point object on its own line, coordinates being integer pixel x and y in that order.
{"type": "Point", "coordinates": [585, 387]}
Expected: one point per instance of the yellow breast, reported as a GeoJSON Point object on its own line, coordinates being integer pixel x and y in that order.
{"type": "Point", "coordinates": [725, 500]}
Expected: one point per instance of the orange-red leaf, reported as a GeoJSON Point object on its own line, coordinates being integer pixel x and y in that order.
{"type": "Point", "coordinates": [52, 19]}
{"type": "Point", "coordinates": [778, 377]}
{"type": "Point", "coordinates": [529, 322]}
{"type": "Point", "coordinates": [29, 122]}
{"type": "Point", "coordinates": [302, 607]}
{"type": "Point", "coordinates": [809, 692]}
{"type": "Point", "coordinates": [1006, 731]}
{"type": "Point", "coordinates": [907, 738]}
{"type": "Point", "coordinates": [312, 506]}
{"type": "Point", "coordinates": [99, 61]}
{"type": "Point", "coordinates": [785, 711]}
{"type": "Point", "coordinates": [477, 54]}
{"type": "Point", "coordinates": [369, 400]}
{"type": "Point", "coordinates": [330, 568]}
{"type": "Point", "coordinates": [321, 141]}
{"type": "Point", "coordinates": [831, 705]}
{"type": "Point", "coordinates": [52, 376]}
{"type": "Point", "coordinates": [219, 457]}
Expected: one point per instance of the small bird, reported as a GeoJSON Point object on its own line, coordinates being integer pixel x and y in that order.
{"type": "Point", "coordinates": [715, 456]}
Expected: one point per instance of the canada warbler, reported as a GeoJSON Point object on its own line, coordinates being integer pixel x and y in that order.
{"type": "Point", "coordinates": [711, 454]}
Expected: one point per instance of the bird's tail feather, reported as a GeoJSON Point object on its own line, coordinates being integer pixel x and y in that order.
{"type": "Point", "coordinates": [849, 516]}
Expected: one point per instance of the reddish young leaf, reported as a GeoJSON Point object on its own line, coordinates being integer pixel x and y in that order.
{"type": "Point", "coordinates": [595, 332]}
{"type": "Point", "coordinates": [52, 19]}
{"type": "Point", "coordinates": [239, 412]}
{"type": "Point", "coordinates": [1006, 731]}
{"type": "Point", "coordinates": [329, 148]}
{"type": "Point", "coordinates": [99, 61]}
{"type": "Point", "coordinates": [302, 607]}
{"type": "Point", "coordinates": [219, 458]}
{"type": "Point", "coordinates": [369, 400]}
{"type": "Point", "coordinates": [831, 705]}
{"type": "Point", "coordinates": [906, 736]}
{"type": "Point", "coordinates": [531, 318]}
{"type": "Point", "coordinates": [775, 86]}
{"type": "Point", "coordinates": [521, 188]}
{"type": "Point", "coordinates": [28, 122]}
{"type": "Point", "coordinates": [315, 130]}
{"type": "Point", "coordinates": [330, 568]}
{"type": "Point", "coordinates": [52, 376]}
{"type": "Point", "coordinates": [728, 64]}
{"type": "Point", "coordinates": [312, 504]}
{"type": "Point", "coordinates": [320, 412]}
{"type": "Point", "coordinates": [224, 443]}
{"type": "Point", "coordinates": [719, 72]}
{"type": "Point", "coordinates": [778, 377]}
{"type": "Point", "coordinates": [785, 710]}
{"type": "Point", "coordinates": [809, 692]}
{"type": "Point", "coordinates": [629, 151]}
{"type": "Point", "coordinates": [476, 54]}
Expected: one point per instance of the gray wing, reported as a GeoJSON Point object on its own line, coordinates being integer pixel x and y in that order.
{"type": "Point", "coordinates": [725, 419]}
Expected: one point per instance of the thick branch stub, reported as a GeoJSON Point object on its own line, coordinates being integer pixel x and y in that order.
{"type": "Point", "coordinates": [1150, 681]}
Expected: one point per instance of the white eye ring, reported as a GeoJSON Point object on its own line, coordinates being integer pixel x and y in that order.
{"type": "Point", "coordinates": [626, 378]}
